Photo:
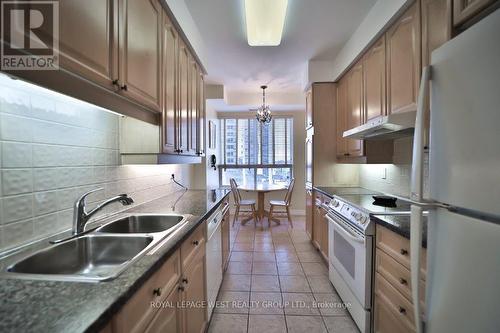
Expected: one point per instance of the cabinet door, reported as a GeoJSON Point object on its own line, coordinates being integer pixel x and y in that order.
{"type": "Point", "coordinates": [374, 80]}
{"type": "Point", "coordinates": [341, 116]}
{"type": "Point", "coordinates": [317, 230]}
{"type": "Point", "coordinates": [193, 115]}
{"type": "Point", "coordinates": [309, 213]}
{"type": "Point", "coordinates": [194, 293]}
{"type": "Point", "coordinates": [201, 109]}
{"type": "Point", "coordinates": [168, 318]}
{"type": "Point", "coordinates": [436, 30]}
{"type": "Point", "coordinates": [355, 111]}
{"type": "Point", "coordinates": [88, 39]}
{"type": "Point", "coordinates": [183, 125]}
{"type": "Point", "coordinates": [170, 111]}
{"type": "Point", "coordinates": [324, 232]}
{"type": "Point", "coordinates": [309, 108]}
{"type": "Point", "coordinates": [403, 61]}
{"type": "Point", "coordinates": [225, 240]}
{"type": "Point", "coordinates": [466, 9]}
{"type": "Point", "coordinates": [140, 51]}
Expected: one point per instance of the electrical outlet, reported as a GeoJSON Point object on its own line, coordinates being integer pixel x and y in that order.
{"type": "Point", "coordinates": [384, 173]}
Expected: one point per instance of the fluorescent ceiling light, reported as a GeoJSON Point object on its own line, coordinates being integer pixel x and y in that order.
{"type": "Point", "coordinates": [265, 20]}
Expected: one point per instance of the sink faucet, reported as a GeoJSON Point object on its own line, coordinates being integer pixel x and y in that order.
{"type": "Point", "coordinates": [81, 216]}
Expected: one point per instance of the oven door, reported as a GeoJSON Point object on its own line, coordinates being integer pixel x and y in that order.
{"type": "Point", "coordinates": [350, 255]}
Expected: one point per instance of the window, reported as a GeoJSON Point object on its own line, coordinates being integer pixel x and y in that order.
{"type": "Point", "coordinates": [256, 153]}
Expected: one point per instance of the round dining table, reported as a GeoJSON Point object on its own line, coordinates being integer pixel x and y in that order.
{"type": "Point", "coordinates": [261, 190]}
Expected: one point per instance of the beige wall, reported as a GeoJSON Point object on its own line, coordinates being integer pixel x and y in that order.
{"type": "Point", "coordinates": [205, 177]}
{"type": "Point", "coordinates": [299, 137]}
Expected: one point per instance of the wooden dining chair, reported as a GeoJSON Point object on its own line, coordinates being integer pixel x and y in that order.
{"type": "Point", "coordinates": [239, 203]}
{"type": "Point", "coordinates": [282, 203]}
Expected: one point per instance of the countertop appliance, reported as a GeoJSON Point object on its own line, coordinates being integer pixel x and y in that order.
{"type": "Point", "coordinates": [213, 257]}
{"type": "Point", "coordinates": [463, 236]}
{"type": "Point", "coordinates": [351, 248]}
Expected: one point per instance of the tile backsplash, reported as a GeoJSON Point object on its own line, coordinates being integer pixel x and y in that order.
{"type": "Point", "coordinates": [53, 149]}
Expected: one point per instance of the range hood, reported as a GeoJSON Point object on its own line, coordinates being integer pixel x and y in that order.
{"type": "Point", "coordinates": [392, 126]}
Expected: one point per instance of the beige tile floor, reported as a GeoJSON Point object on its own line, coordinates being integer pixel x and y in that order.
{"type": "Point", "coordinates": [277, 282]}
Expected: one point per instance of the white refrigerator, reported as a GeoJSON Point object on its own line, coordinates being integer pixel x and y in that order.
{"type": "Point", "coordinates": [463, 239]}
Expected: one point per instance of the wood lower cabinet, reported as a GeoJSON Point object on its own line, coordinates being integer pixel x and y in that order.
{"type": "Point", "coordinates": [226, 239]}
{"type": "Point", "coordinates": [140, 51]}
{"type": "Point", "coordinates": [172, 299]}
{"type": "Point", "coordinates": [320, 225]}
{"type": "Point", "coordinates": [355, 108]}
{"type": "Point", "coordinates": [403, 61]}
{"type": "Point", "coordinates": [194, 295]}
{"type": "Point", "coordinates": [77, 37]}
{"type": "Point", "coordinates": [393, 304]}
{"type": "Point", "coordinates": [168, 318]}
{"type": "Point", "coordinates": [374, 80]}
{"type": "Point", "coordinates": [309, 213]}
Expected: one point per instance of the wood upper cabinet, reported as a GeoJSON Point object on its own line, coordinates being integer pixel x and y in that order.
{"type": "Point", "coordinates": [170, 115]}
{"type": "Point", "coordinates": [140, 51]}
{"type": "Point", "coordinates": [89, 50]}
{"type": "Point", "coordinates": [436, 30]}
{"type": "Point", "coordinates": [466, 9]}
{"type": "Point", "coordinates": [355, 110]}
{"type": "Point", "coordinates": [374, 80]}
{"type": "Point", "coordinates": [341, 117]}
{"type": "Point", "coordinates": [201, 110]}
{"type": "Point", "coordinates": [194, 293]}
{"type": "Point", "coordinates": [403, 61]}
{"type": "Point", "coordinates": [193, 114]}
{"type": "Point", "coordinates": [183, 93]}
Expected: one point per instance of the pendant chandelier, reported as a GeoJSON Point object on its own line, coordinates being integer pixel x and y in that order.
{"type": "Point", "coordinates": [264, 112]}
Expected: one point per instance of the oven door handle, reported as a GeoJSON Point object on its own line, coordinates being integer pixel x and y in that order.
{"type": "Point", "coordinates": [346, 232]}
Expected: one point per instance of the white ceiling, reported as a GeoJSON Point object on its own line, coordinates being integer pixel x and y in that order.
{"type": "Point", "coordinates": [314, 30]}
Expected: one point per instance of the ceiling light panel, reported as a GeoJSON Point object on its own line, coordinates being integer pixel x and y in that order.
{"type": "Point", "coordinates": [265, 20]}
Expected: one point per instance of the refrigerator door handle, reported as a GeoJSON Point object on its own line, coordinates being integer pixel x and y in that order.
{"type": "Point", "coordinates": [416, 195]}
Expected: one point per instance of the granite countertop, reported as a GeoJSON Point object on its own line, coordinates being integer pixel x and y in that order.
{"type": "Point", "coordinates": [55, 306]}
{"type": "Point", "coordinates": [399, 224]}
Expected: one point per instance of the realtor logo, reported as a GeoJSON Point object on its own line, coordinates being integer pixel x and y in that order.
{"type": "Point", "coordinates": [30, 35]}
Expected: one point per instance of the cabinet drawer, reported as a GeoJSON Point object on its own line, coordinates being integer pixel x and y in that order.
{"type": "Point", "coordinates": [397, 275]}
{"type": "Point", "coordinates": [192, 244]}
{"type": "Point", "coordinates": [398, 247]}
{"type": "Point", "coordinates": [385, 321]}
{"type": "Point", "coordinates": [394, 303]}
{"type": "Point", "coordinates": [136, 315]}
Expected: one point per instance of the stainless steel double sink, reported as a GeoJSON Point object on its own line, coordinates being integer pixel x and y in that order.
{"type": "Point", "coordinates": [99, 255]}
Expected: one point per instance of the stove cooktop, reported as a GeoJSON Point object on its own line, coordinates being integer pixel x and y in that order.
{"type": "Point", "coordinates": [357, 208]}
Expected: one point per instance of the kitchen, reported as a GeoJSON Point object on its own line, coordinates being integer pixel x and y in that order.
{"type": "Point", "coordinates": [192, 166]}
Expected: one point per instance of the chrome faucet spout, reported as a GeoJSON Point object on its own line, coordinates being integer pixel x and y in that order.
{"type": "Point", "coordinates": [81, 216]}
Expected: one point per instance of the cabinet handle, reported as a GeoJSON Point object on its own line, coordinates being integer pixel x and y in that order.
{"type": "Point", "coordinates": [115, 82]}
{"type": "Point", "coordinates": [347, 154]}
{"type": "Point", "coordinates": [157, 292]}
{"type": "Point", "coordinates": [196, 243]}
{"type": "Point", "coordinates": [124, 87]}
{"type": "Point", "coordinates": [403, 281]}
{"type": "Point", "coordinates": [185, 280]}
{"type": "Point", "coordinates": [181, 288]}
{"type": "Point", "coordinates": [402, 310]}
{"type": "Point", "coordinates": [403, 252]}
